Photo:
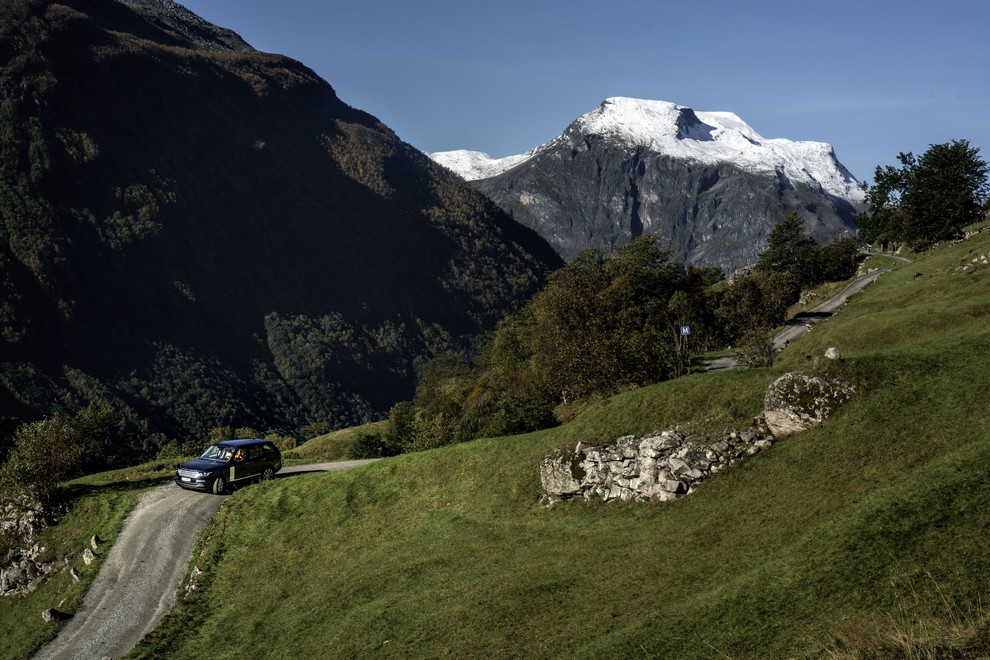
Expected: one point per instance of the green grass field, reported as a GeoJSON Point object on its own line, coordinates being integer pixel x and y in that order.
{"type": "Point", "coordinates": [868, 535]}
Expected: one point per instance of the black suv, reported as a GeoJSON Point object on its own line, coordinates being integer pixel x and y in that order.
{"type": "Point", "coordinates": [230, 462]}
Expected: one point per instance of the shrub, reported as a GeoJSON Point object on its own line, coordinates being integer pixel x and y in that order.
{"type": "Point", "coordinates": [756, 350]}
{"type": "Point", "coordinates": [368, 445]}
{"type": "Point", "coordinates": [173, 449]}
{"type": "Point", "coordinates": [284, 443]}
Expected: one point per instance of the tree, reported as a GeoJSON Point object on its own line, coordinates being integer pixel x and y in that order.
{"type": "Point", "coordinates": [785, 244]}
{"type": "Point", "coordinates": [45, 453]}
{"type": "Point", "coordinates": [106, 437]}
{"type": "Point", "coordinates": [927, 199]}
{"type": "Point", "coordinates": [602, 323]}
{"type": "Point", "coordinates": [790, 250]}
{"type": "Point", "coordinates": [946, 190]}
{"type": "Point", "coordinates": [755, 304]}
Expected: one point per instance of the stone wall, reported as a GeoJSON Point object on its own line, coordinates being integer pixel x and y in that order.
{"type": "Point", "coordinates": [667, 465]}
{"type": "Point", "coordinates": [659, 467]}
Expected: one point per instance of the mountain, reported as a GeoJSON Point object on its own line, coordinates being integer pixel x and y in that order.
{"type": "Point", "coordinates": [705, 182]}
{"type": "Point", "coordinates": [206, 235]}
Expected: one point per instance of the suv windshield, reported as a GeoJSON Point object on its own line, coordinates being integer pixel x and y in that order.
{"type": "Point", "coordinates": [218, 453]}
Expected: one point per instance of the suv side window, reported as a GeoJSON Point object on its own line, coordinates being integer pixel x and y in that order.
{"type": "Point", "coordinates": [254, 453]}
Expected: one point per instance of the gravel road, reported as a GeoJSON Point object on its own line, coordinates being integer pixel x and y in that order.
{"type": "Point", "coordinates": [136, 585]}
{"type": "Point", "coordinates": [801, 323]}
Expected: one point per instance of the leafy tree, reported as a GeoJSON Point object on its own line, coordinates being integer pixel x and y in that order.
{"type": "Point", "coordinates": [839, 259]}
{"type": "Point", "coordinates": [566, 352]}
{"type": "Point", "coordinates": [884, 222]}
{"type": "Point", "coordinates": [400, 433]}
{"type": "Point", "coordinates": [790, 250]}
{"type": "Point", "coordinates": [106, 435]}
{"type": "Point", "coordinates": [927, 199]}
{"type": "Point", "coordinates": [45, 453]}
{"type": "Point", "coordinates": [599, 325]}
{"type": "Point", "coordinates": [946, 191]}
{"type": "Point", "coordinates": [756, 304]}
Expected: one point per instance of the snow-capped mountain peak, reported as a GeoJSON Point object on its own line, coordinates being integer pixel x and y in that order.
{"type": "Point", "coordinates": [678, 131]}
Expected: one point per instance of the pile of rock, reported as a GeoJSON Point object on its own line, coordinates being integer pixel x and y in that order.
{"type": "Point", "coordinates": [23, 569]}
{"type": "Point", "coordinates": [664, 466]}
{"type": "Point", "coordinates": [659, 467]}
{"type": "Point", "coordinates": [977, 261]}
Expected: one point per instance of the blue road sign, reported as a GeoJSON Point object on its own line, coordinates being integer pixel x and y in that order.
{"type": "Point", "coordinates": [685, 330]}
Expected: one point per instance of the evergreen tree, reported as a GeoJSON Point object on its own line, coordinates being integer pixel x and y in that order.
{"type": "Point", "coordinates": [790, 250]}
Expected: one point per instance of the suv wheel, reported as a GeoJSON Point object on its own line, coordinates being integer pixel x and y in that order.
{"type": "Point", "coordinates": [219, 486]}
{"type": "Point", "coordinates": [268, 474]}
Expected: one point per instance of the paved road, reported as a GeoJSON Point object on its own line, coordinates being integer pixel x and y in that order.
{"type": "Point", "coordinates": [801, 323]}
{"type": "Point", "coordinates": [136, 585]}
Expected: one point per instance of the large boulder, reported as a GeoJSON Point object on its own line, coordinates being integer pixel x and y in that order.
{"type": "Point", "coordinates": [796, 402]}
{"type": "Point", "coordinates": [561, 473]}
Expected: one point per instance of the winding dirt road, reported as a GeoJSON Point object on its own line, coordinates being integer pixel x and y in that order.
{"type": "Point", "coordinates": [136, 585]}
{"type": "Point", "coordinates": [801, 323]}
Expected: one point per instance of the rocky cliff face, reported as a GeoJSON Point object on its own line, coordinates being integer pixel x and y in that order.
{"type": "Point", "coordinates": [706, 183]}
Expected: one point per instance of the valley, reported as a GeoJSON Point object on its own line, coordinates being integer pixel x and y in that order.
{"type": "Point", "coordinates": [202, 242]}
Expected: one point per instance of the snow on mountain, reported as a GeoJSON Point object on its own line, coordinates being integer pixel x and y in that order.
{"type": "Point", "coordinates": [472, 165]}
{"type": "Point", "coordinates": [678, 131]}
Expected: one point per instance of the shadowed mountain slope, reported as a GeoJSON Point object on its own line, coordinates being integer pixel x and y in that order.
{"type": "Point", "coordinates": [208, 235]}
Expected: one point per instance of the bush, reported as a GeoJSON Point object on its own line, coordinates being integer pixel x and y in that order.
{"type": "Point", "coordinates": [173, 449]}
{"type": "Point", "coordinates": [284, 443]}
{"type": "Point", "coordinates": [368, 445]}
{"type": "Point", "coordinates": [316, 429]}
{"type": "Point", "coordinates": [756, 350]}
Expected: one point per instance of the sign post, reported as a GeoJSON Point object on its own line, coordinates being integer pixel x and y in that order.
{"type": "Point", "coordinates": [685, 333]}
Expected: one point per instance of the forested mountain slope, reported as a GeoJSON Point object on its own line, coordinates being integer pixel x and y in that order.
{"type": "Point", "coordinates": [207, 235]}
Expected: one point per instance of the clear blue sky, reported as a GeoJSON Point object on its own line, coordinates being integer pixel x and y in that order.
{"type": "Point", "coordinates": [873, 78]}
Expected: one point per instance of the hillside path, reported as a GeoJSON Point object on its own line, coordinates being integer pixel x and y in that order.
{"type": "Point", "coordinates": [136, 585]}
{"type": "Point", "coordinates": [801, 323]}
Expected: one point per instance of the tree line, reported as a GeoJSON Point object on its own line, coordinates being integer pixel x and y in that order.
{"type": "Point", "coordinates": [603, 325]}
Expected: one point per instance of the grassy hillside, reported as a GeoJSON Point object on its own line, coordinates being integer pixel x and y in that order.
{"type": "Point", "coordinates": [867, 532]}
{"type": "Point", "coordinates": [338, 445]}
